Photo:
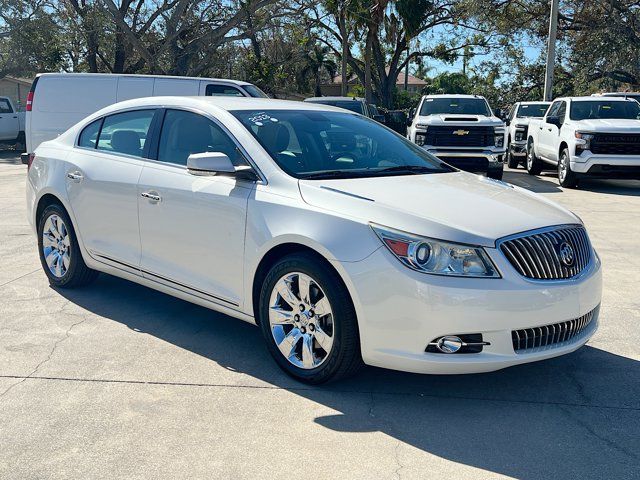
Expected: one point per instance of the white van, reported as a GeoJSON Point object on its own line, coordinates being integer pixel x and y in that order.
{"type": "Point", "coordinates": [58, 101]}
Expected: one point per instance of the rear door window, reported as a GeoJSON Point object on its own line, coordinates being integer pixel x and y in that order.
{"type": "Point", "coordinates": [5, 106]}
{"type": "Point", "coordinates": [126, 132]}
{"type": "Point", "coordinates": [89, 136]}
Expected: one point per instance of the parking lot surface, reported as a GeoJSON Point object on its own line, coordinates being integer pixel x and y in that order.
{"type": "Point", "coordinates": [119, 381]}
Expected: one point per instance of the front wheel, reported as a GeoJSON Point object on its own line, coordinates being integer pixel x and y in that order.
{"type": "Point", "coordinates": [495, 173]}
{"type": "Point", "coordinates": [534, 164]}
{"type": "Point", "coordinates": [59, 250]}
{"type": "Point", "coordinates": [308, 320]}
{"type": "Point", "coordinates": [512, 161]}
{"type": "Point", "coordinates": [567, 178]}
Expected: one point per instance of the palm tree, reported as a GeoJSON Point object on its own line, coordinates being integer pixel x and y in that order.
{"type": "Point", "coordinates": [316, 60]}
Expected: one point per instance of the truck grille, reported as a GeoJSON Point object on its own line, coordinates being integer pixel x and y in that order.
{"type": "Point", "coordinates": [616, 144]}
{"type": "Point", "coordinates": [553, 254]}
{"type": "Point", "coordinates": [528, 340]}
{"type": "Point", "coordinates": [475, 136]}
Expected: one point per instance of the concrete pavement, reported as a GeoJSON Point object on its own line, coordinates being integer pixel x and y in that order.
{"type": "Point", "coordinates": [119, 381]}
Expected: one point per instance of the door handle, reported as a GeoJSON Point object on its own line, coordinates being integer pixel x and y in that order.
{"type": "Point", "coordinates": [75, 176]}
{"type": "Point", "coordinates": [152, 196]}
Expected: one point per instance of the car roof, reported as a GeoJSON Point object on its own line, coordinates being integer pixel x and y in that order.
{"type": "Point", "coordinates": [534, 103]}
{"type": "Point", "coordinates": [452, 95]}
{"type": "Point", "coordinates": [214, 104]}
{"type": "Point", "coordinates": [111, 75]}
{"type": "Point", "coordinates": [333, 99]}
{"type": "Point", "coordinates": [596, 99]}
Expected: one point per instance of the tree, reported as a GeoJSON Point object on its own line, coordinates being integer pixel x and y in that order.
{"type": "Point", "coordinates": [316, 61]}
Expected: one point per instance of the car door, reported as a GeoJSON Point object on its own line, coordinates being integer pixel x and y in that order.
{"type": "Point", "coordinates": [192, 227]}
{"type": "Point", "coordinates": [102, 185]}
{"type": "Point", "coordinates": [547, 132]}
{"type": "Point", "coordinates": [9, 123]}
{"type": "Point", "coordinates": [554, 133]}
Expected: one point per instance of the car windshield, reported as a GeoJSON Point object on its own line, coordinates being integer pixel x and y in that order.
{"type": "Point", "coordinates": [590, 109]}
{"type": "Point", "coordinates": [255, 91]}
{"type": "Point", "coordinates": [464, 106]}
{"type": "Point", "coordinates": [317, 144]}
{"type": "Point", "coordinates": [533, 110]}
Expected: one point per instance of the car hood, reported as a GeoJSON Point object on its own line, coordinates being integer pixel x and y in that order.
{"type": "Point", "coordinates": [458, 206]}
{"type": "Point", "coordinates": [456, 119]}
{"type": "Point", "coordinates": [609, 125]}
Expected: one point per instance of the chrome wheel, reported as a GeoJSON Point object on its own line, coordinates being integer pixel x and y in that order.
{"type": "Point", "coordinates": [530, 157]}
{"type": "Point", "coordinates": [301, 320]}
{"type": "Point", "coordinates": [56, 246]}
{"type": "Point", "coordinates": [562, 168]}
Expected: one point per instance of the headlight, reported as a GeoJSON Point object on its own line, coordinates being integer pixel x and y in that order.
{"type": "Point", "coordinates": [499, 137]}
{"type": "Point", "coordinates": [437, 257]}
{"type": "Point", "coordinates": [421, 138]}
{"type": "Point", "coordinates": [584, 140]}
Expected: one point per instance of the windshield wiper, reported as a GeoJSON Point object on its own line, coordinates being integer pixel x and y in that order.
{"type": "Point", "coordinates": [334, 174]}
{"type": "Point", "coordinates": [412, 169]}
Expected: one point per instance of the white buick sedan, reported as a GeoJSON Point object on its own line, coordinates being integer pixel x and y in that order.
{"type": "Point", "coordinates": [343, 241]}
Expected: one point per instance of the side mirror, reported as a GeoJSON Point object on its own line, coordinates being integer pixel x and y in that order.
{"type": "Point", "coordinates": [498, 113]}
{"type": "Point", "coordinates": [379, 118]}
{"type": "Point", "coordinates": [209, 163]}
{"type": "Point", "coordinates": [412, 113]}
{"type": "Point", "coordinates": [554, 121]}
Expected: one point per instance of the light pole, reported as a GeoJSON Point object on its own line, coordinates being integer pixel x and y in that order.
{"type": "Point", "coordinates": [551, 51]}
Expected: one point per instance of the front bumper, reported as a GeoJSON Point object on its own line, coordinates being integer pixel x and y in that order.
{"type": "Point", "coordinates": [401, 311]}
{"type": "Point", "coordinates": [518, 149]}
{"type": "Point", "coordinates": [607, 166]}
{"type": "Point", "coordinates": [471, 160]}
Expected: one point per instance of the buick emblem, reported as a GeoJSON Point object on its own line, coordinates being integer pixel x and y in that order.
{"type": "Point", "coordinates": [461, 132]}
{"type": "Point", "coordinates": [567, 254]}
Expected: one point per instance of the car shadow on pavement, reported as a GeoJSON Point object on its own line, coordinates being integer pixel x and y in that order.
{"type": "Point", "coordinates": [9, 157]}
{"type": "Point", "coordinates": [547, 182]}
{"type": "Point", "coordinates": [577, 416]}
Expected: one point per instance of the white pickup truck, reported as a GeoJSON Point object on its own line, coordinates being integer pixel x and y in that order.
{"type": "Point", "coordinates": [595, 136]}
{"type": "Point", "coordinates": [460, 130]}
{"type": "Point", "coordinates": [517, 120]}
{"type": "Point", "coordinates": [11, 125]}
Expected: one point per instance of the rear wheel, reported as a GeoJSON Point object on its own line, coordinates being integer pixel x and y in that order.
{"type": "Point", "coordinates": [534, 164]}
{"type": "Point", "coordinates": [60, 254]}
{"type": "Point", "coordinates": [566, 177]}
{"type": "Point", "coordinates": [308, 320]}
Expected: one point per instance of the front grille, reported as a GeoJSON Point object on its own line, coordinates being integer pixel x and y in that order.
{"type": "Point", "coordinates": [615, 144]}
{"type": "Point", "coordinates": [552, 254]}
{"type": "Point", "coordinates": [469, 164]}
{"type": "Point", "coordinates": [528, 340]}
{"type": "Point", "coordinates": [443, 136]}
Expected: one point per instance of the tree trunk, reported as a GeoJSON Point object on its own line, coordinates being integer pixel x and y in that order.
{"type": "Point", "coordinates": [368, 87]}
{"type": "Point", "coordinates": [342, 25]}
{"type": "Point", "coordinates": [318, 92]}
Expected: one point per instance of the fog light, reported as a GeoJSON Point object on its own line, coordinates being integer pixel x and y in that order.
{"type": "Point", "coordinates": [449, 344]}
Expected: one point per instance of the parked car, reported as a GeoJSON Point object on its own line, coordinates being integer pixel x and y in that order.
{"type": "Point", "coordinates": [342, 240]}
{"type": "Point", "coordinates": [461, 130]}
{"type": "Point", "coordinates": [59, 100]}
{"type": "Point", "coordinates": [517, 121]}
{"type": "Point", "coordinates": [580, 136]}
{"type": "Point", "coordinates": [397, 120]}
{"type": "Point", "coordinates": [11, 125]}
{"type": "Point", "coordinates": [354, 104]}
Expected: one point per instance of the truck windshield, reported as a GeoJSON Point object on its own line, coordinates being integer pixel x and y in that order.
{"type": "Point", "coordinates": [464, 106]}
{"type": "Point", "coordinates": [254, 91]}
{"type": "Point", "coordinates": [536, 110]}
{"type": "Point", "coordinates": [590, 109]}
{"type": "Point", "coordinates": [323, 144]}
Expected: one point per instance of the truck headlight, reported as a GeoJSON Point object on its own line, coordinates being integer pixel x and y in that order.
{"type": "Point", "coordinates": [520, 133]}
{"type": "Point", "coordinates": [584, 140]}
{"type": "Point", "coordinates": [437, 257]}
{"type": "Point", "coordinates": [499, 137]}
{"type": "Point", "coordinates": [421, 135]}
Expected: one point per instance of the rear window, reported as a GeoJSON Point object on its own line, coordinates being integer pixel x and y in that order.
{"type": "Point", "coordinates": [222, 91]}
{"type": "Point", "coordinates": [352, 105]}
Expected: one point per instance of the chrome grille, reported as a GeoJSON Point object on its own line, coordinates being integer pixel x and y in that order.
{"type": "Point", "coordinates": [542, 255]}
{"type": "Point", "coordinates": [534, 339]}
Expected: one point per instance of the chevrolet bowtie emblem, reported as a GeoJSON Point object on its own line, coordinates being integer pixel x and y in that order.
{"type": "Point", "coordinates": [461, 132]}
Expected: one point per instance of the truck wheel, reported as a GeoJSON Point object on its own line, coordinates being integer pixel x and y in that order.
{"type": "Point", "coordinates": [534, 164]}
{"type": "Point", "coordinates": [512, 161]}
{"type": "Point", "coordinates": [495, 173]}
{"type": "Point", "coordinates": [566, 177]}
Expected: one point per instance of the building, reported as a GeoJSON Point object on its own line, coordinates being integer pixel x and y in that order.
{"type": "Point", "coordinates": [414, 85]}
{"type": "Point", "coordinates": [16, 89]}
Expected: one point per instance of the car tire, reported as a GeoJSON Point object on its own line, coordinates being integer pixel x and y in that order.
{"type": "Point", "coordinates": [495, 173]}
{"type": "Point", "coordinates": [300, 346]}
{"type": "Point", "coordinates": [512, 161]}
{"type": "Point", "coordinates": [60, 253]}
{"type": "Point", "coordinates": [534, 164]}
{"type": "Point", "coordinates": [567, 178]}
